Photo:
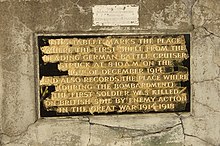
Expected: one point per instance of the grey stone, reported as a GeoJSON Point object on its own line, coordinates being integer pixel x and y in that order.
{"type": "Point", "coordinates": [20, 20]}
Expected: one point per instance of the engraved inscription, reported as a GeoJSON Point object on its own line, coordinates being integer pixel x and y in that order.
{"type": "Point", "coordinates": [114, 74]}
{"type": "Point", "coordinates": [115, 15]}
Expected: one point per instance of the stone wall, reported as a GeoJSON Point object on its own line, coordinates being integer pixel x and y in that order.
{"type": "Point", "coordinates": [21, 20]}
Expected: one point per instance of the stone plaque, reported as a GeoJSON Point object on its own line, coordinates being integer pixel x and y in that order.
{"type": "Point", "coordinates": [82, 75]}
{"type": "Point", "coordinates": [115, 15]}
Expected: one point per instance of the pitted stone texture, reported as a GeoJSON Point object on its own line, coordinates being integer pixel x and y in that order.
{"type": "Point", "coordinates": [159, 15]}
{"type": "Point", "coordinates": [118, 136]}
{"type": "Point", "coordinates": [1, 97]}
{"type": "Point", "coordinates": [53, 133]}
{"type": "Point", "coordinates": [106, 136]}
{"type": "Point", "coordinates": [201, 129]}
{"type": "Point", "coordinates": [172, 137]}
{"type": "Point", "coordinates": [3, 39]}
{"type": "Point", "coordinates": [66, 16]}
{"type": "Point", "coordinates": [64, 132]}
{"type": "Point", "coordinates": [136, 130]}
{"type": "Point", "coordinates": [204, 100]}
{"type": "Point", "coordinates": [203, 52]}
{"type": "Point", "coordinates": [149, 123]}
{"type": "Point", "coordinates": [49, 15]}
{"type": "Point", "coordinates": [18, 74]}
{"type": "Point", "coordinates": [196, 141]}
{"type": "Point", "coordinates": [20, 19]}
{"type": "Point", "coordinates": [169, 14]}
{"type": "Point", "coordinates": [206, 13]}
{"type": "Point", "coordinates": [97, 131]}
{"type": "Point", "coordinates": [204, 124]}
{"type": "Point", "coordinates": [22, 139]}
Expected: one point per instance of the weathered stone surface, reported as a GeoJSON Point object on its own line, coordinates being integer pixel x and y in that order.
{"type": "Point", "coordinates": [18, 74]}
{"type": "Point", "coordinates": [206, 14]}
{"type": "Point", "coordinates": [210, 94]}
{"type": "Point", "coordinates": [104, 135]}
{"type": "Point", "coordinates": [203, 126]}
{"type": "Point", "coordinates": [63, 16]}
{"type": "Point", "coordinates": [173, 136]}
{"type": "Point", "coordinates": [195, 141]}
{"type": "Point", "coordinates": [136, 130]}
{"type": "Point", "coordinates": [203, 53]}
{"type": "Point", "coordinates": [20, 19]}
{"type": "Point", "coordinates": [169, 14]}
{"type": "Point", "coordinates": [166, 15]}
{"type": "Point", "coordinates": [149, 123]}
{"type": "Point", "coordinates": [201, 129]}
{"type": "Point", "coordinates": [1, 97]}
{"type": "Point", "coordinates": [53, 132]}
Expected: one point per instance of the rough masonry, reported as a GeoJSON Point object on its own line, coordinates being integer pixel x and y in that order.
{"type": "Point", "coordinates": [19, 123]}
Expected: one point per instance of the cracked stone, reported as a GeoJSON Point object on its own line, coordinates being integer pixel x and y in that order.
{"type": "Point", "coordinates": [121, 136]}
{"type": "Point", "coordinates": [138, 121]}
{"type": "Point", "coordinates": [210, 93]}
{"type": "Point", "coordinates": [196, 141]}
{"type": "Point", "coordinates": [202, 54]}
{"type": "Point", "coordinates": [199, 128]}
{"type": "Point", "coordinates": [207, 14]}
{"type": "Point", "coordinates": [20, 19]}
{"type": "Point", "coordinates": [61, 132]}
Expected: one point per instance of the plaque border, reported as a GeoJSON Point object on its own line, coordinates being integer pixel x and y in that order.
{"type": "Point", "coordinates": [97, 33]}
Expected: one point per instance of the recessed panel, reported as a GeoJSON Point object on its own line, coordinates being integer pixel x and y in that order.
{"type": "Point", "coordinates": [126, 74]}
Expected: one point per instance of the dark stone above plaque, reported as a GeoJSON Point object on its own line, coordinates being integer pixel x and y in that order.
{"type": "Point", "coordinates": [105, 74]}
